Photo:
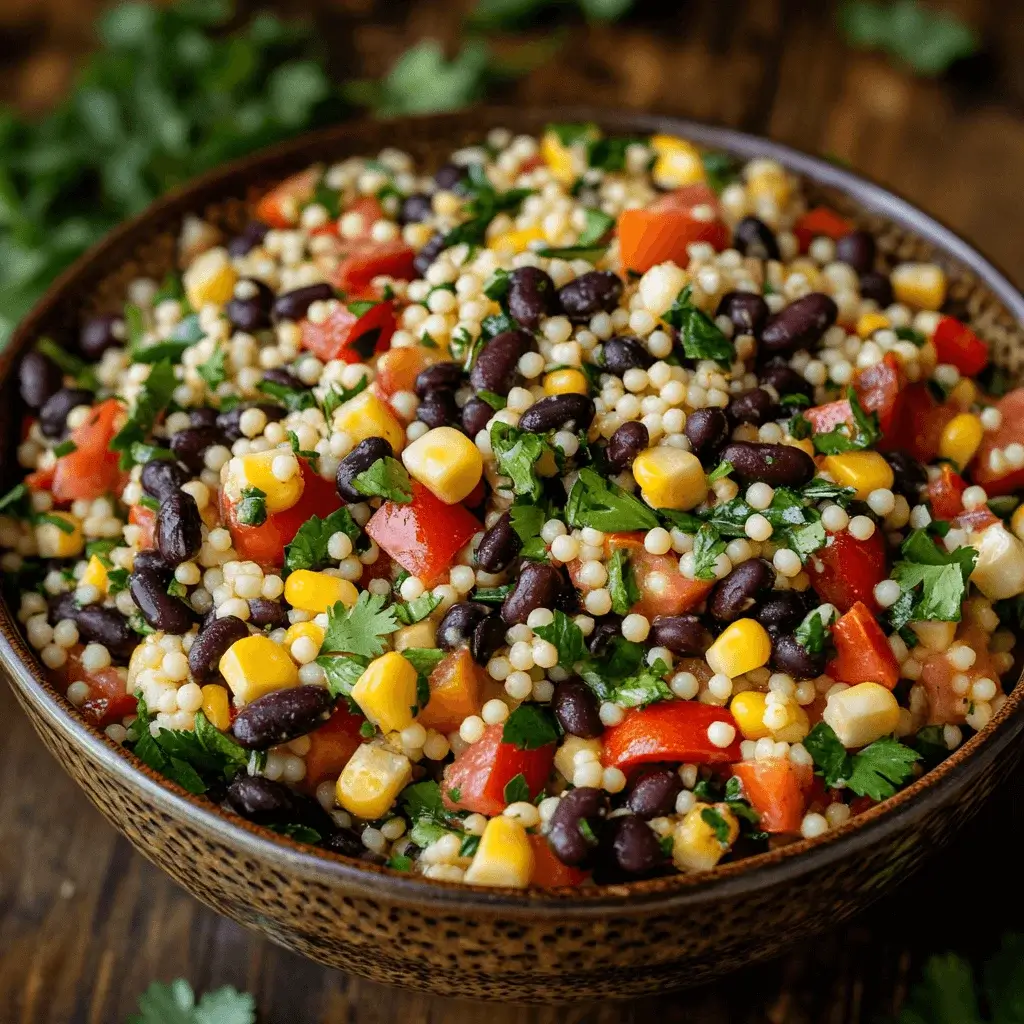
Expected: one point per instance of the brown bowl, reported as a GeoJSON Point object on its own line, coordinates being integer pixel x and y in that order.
{"type": "Point", "coordinates": [542, 946]}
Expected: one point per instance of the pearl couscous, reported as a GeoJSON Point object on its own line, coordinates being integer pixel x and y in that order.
{"type": "Point", "coordinates": [592, 509]}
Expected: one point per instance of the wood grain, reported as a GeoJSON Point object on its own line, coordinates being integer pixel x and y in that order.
{"type": "Point", "coordinates": [86, 924]}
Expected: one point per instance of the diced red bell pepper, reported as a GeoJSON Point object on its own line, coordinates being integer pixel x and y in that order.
{"type": "Point", "coordinates": [919, 423]}
{"type": "Point", "coordinates": [348, 337]}
{"type": "Point", "coordinates": [275, 207]}
{"type": "Point", "coordinates": [108, 701]}
{"type": "Point", "coordinates": [945, 493]}
{"type": "Point", "coordinates": [365, 259]}
{"type": "Point", "coordinates": [331, 745]}
{"type": "Point", "coordinates": [675, 730]}
{"type": "Point", "coordinates": [548, 871]}
{"type": "Point", "coordinates": [821, 221]}
{"type": "Point", "coordinates": [265, 544]}
{"type": "Point", "coordinates": [774, 790]}
{"type": "Point", "coordinates": [91, 470]}
{"type": "Point", "coordinates": [398, 369]}
{"type": "Point", "coordinates": [423, 536]}
{"type": "Point", "coordinates": [1011, 431]}
{"type": "Point", "coordinates": [481, 772]}
{"type": "Point", "coordinates": [863, 653]}
{"type": "Point", "coordinates": [847, 570]}
{"type": "Point", "coordinates": [878, 390]}
{"type": "Point", "coordinates": [957, 344]}
{"type": "Point", "coordinates": [662, 231]}
{"type": "Point", "coordinates": [145, 519]}
{"type": "Point", "coordinates": [40, 479]}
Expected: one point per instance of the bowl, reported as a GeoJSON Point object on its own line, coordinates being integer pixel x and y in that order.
{"type": "Point", "coordinates": [541, 946]}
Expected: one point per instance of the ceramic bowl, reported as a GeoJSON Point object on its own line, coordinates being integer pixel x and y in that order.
{"type": "Point", "coordinates": [617, 941]}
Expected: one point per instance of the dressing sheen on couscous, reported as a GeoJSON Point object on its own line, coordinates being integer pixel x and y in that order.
{"type": "Point", "coordinates": [594, 509]}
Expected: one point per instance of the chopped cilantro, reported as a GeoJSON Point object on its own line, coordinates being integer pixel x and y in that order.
{"type": "Point", "coordinates": [399, 862]}
{"type": "Point", "coordinates": [707, 546]}
{"type": "Point", "coordinates": [342, 672]}
{"type": "Point", "coordinates": [69, 364]}
{"type": "Point", "coordinates": [526, 521]}
{"type": "Point", "coordinates": [496, 287]}
{"type": "Point", "coordinates": [143, 453]}
{"type": "Point", "coordinates": [876, 771]}
{"type": "Point", "coordinates": [335, 397]}
{"type": "Point", "coordinates": [720, 169]}
{"type": "Point", "coordinates": [423, 659]}
{"type": "Point", "coordinates": [718, 824]}
{"type": "Point", "coordinates": [530, 727]}
{"type": "Point", "coordinates": [516, 790]}
{"type": "Point", "coordinates": [176, 1003]}
{"type": "Point", "coordinates": [720, 472]}
{"type": "Point", "coordinates": [293, 440]}
{"type": "Point", "coordinates": [621, 585]}
{"type": "Point", "coordinates": [493, 595]}
{"type": "Point", "coordinates": [386, 478]}
{"type": "Point", "coordinates": [151, 400]}
{"type": "Point", "coordinates": [360, 629]}
{"type": "Point", "coordinates": [496, 402]}
{"type": "Point", "coordinates": [813, 633]}
{"type": "Point", "coordinates": [517, 452]}
{"type": "Point", "coordinates": [495, 324]}
{"type": "Point", "coordinates": [863, 434]}
{"type": "Point", "coordinates": [645, 688]}
{"type": "Point", "coordinates": [252, 508]}
{"type": "Point", "coordinates": [214, 371]}
{"type": "Point", "coordinates": [942, 578]}
{"type": "Point", "coordinates": [700, 335]}
{"type": "Point", "coordinates": [567, 638]}
{"type": "Point", "coordinates": [417, 609]}
{"type": "Point", "coordinates": [293, 399]}
{"type": "Point", "coordinates": [598, 503]}
{"type": "Point", "coordinates": [65, 448]}
{"type": "Point", "coordinates": [308, 548]}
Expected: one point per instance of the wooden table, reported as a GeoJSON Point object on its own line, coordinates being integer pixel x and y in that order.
{"type": "Point", "coordinates": [86, 924]}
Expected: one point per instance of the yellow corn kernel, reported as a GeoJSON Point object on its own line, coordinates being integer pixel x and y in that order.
{"type": "Point", "coordinates": [768, 181]}
{"type": "Point", "coordinates": [210, 278]}
{"type": "Point", "coordinates": [748, 710]}
{"type": "Point", "coordinates": [516, 240]}
{"type": "Point", "coordinates": [678, 162]}
{"type": "Point", "coordinates": [999, 571]}
{"type": "Point", "coordinates": [317, 591]}
{"type": "Point", "coordinates": [95, 575]}
{"type": "Point", "coordinates": [794, 727]}
{"type": "Point", "coordinates": [372, 779]}
{"type": "Point", "coordinates": [559, 158]}
{"type": "Point", "coordinates": [695, 845]}
{"type": "Point", "coordinates": [504, 856]}
{"type": "Point", "coordinates": [254, 666]}
{"type": "Point", "coordinates": [307, 629]}
{"type": "Point", "coordinates": [386, 692]}
{"type": "Point", "coordinates": [964, 393]}
{"type": "Point", "coordinates": [805, 444]}
{"type": "Point", "coordinates": [927, 360]}
{"type": "Point", "coordinates": [871, 322]}
{"type": "Point", "coordinates": [935, 636]}
{"type": "Point", "coordinates": [419, 634]}
{"type": "Point", "coordinates": [960, 438]}
{"type": "Point", "coordinates": [367, 416]}
{"type": "Point", "coordinates": [566, 382]}
{"type": "Point", "coordinates": [568, 750]}
{"type": "Point", "coordinates": [670, 478]}
{"type": "Point", "coordinates": [921, 285]}
{"type": "Point", "coordinates": [446, 462]}
{"type": "Point", "coordinates": [257, 470]}
{"type": "Point", "coordinates": [53, 541]}
{"type": "Point", "coordinates": [863, 471]}
{"type": "Point", "coordinates": [862, 714]}
{"type": "Point", "coordinates": [215, 706]}
{"type": "Point", "coordinates": [741, 647]}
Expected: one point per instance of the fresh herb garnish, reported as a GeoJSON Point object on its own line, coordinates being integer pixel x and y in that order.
{"type": "Point", "coordinates": [936, 579]}
{"type": "Point", "coordinates": [360, 629]}
{"type": "Point", "coordinates": [308, 548]}
{"type": "Point", "coordinates": [813, 633]}
{"type": "Point", "coordinates": [516, 790]}
{"type": "Point", "coordinates": [707, 546]}
{"type": "Point", "coordinates": [417, 609]}
{"type": "Point", "coordinates": [530, 727]}
{"type": "Point", "coordinates": [718, 824]}
{"type": "Point", "coordinates": [386, 478]}
{"type": "Point", "coordinates": [700, 335]}
{"type": "Point", "coordinates": [517, 452]}
{"type": "Point", "coordinates": [293, 399]}
{"type": "Point", "coordinates": [152, 399]}
{"type": "Point", "coordinates": [176, 1003]}
{"type": "Point", "coordinates": [877, 771]}
{"type": "Point", "coordinates": [567, 638]}
{"type": "Point", "coordinates": [252, 508]}
{"type": "Point", "coordinates": [621, 585]}
{"type": "Point", "coordinates": [598, 503]}
{"type": "Point", "coordinates": [864, 432]}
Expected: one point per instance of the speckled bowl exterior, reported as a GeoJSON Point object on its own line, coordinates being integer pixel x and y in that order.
{"type": "Point", "coordinates": [537, 946]}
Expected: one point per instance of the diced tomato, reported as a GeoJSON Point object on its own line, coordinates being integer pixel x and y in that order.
{"type": "Point", "coordinates": [821, 221]}
{"type": "Point", "coordinates": [276, 206]}
{"type": "Point", "coordinates": [957, 344]}
{"type": "Point", "coordinates": [40, 479]}
{"type": "Point", "coordinates": [774, 790]}
{"type": "Point", "coordinates": [847, 570]}
{"type": "Point", "coordinates": [348, 337]}
{"type": "Point", "coordinates": [91, 470]}
{"type": "Point", "coordinates": [424, 536]}
{"type": "Point", "coordinates": [827, 417]}
{"type": "Point", "coordinates": [364, 260]}
{"type": "Point", "coordinates": [331, 745]}
{"type": "Point", "coordinates": [674, 731]}
{"type": "Point", "coordinates": [945, 493]}
{"type": "Point", "coordinates": [265, 544]}
{"type": "Point", "coordinates": [919, 424]}
{"type": "Point", "coordinates": [1011, 431]}
{"type": "Point", "coordinates": [108, 701]}
{"type": "Point", "coordinates": [686, 198]}
{"type": "Point", "coordinates": [398, 368]}
{"type": "Point", "coordinates": [481, 772]}
{"type": "Point", "coordinates": [662, 231]}
{"type": "Point", "coordinates": [455, 689]}
{"type": "Point", "coordinates": [145, 519]}
{"type": "Point", "coordinates": [548, 871]}
{"type": "Point", "coordinates": [369, 208]}
{"type": "Point", "coordinates": [878, 390]}
{"type": "Point", "coordinates": [863, 653]}
{"type": "Point", "coordinates": [945, 705]}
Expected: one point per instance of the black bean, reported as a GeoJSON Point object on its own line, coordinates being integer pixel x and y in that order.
{"type": "Point", "coordinates": [458, 624]}
{"type": "Point", "coordinates": [53, 416]}
{"type": "Point", "coordinates": [800, 324]}
{"type": "Point", "coordinates": [636, 848]}
{"type": "Point", "coordinates": [285, 378]}
{"type": "Point", "coordinates": [295, 304]}
{"type": "Point", "coordinates": [160, 610]}
{"type": "Point", "coordinates": [780, 465]}
{"type": "Point", "coordinates": [595, 292]}
{"type": "Point", "coordinates": [150, 558]}
{"type": "Point", "coordinates": [61, 606]}
{"type": "Point", "coordinates": [557, 412]}
{"type": "Point", "coordinates": [229, 422]}
{"type": "Point", "coordinates": [681, 634]}
{"type": "Point", "coordinates": [252, 235]}
{"type": "Point", "coordinates": [253, 313]}
{"type": "Point", "coordinates": [476, 414]}
{"type": "Point", "coordinates": [576, 709]}
{"type": "Point", "coordinates": [568, 841]}
{"type": "Point", "coordinates": [599, 642]}
{"type": "Point", "coordinates": [100, 333]}
{"type": "Point", "coordinates": [755, 406]}
{"type": "Point", "coordinates": [450, 177]}
{"type": "Point", "coordinates": [790, 656]}
{"type": "Point", "coordinates": [497, 366]}
{"type": "Point", "coordinates": [625, 353]}
{"type": "Point", "coordinates": [877, 286]}
{"type": "Point", "coordinates": [190, 445]}
{"type": "Point", "coordinates": [487, 639]}
{"type": "Point", "coordinates": [202, 416]}
{"type": "Point", "coordinates": [415, 208]}
{"type": "Point", "coordinates": [263, 612]}
{"type": "Point", "coordinates": [426, 256]}
{"type": "Point", "coordinates": [438, 377]}
{"type": "Point", "coordinates": [163, 477]}
{"type": "Point", "coordinates": [211, 643]}
{"type": "Point", "coordinates": [109, 627]}
{"type": "Point", "coordinates": [707, 430]}
{"type": "Point", "coordinates": [345, 842]}
{"type": "Point", "coordinates": [282, 716]}
{"type": "Point", "coordinates": [627, 443]}
{"type": "Point", "coordinates": [39, 379]}
{"type": "Point", "coordinates": [179, 528]}
{"type": "Point", "coordinates": [266, 802]}
{"type": "Point", "coordinates": [538, 586]}
{"type": "Point", "coordinates": [531, 295]}
{"type": "Point", "coordinates": [786, 381]}
{"type": "Point", "coordinates": [782, 611]}
{"type": "Point", "coordinates": [753, 237]}
{"type": "Point", "coordinates": [360, 459]}
{"type": "Point", "coordinates": [654, 793]}
{"type": "Point", "coordinates": [909, 475]}
{"type": "Point", "coordinates": [741, 589]}
{"type": "Point", "coordinates": [747, 310]}
{"type": "Point", "coordinates": [858, 250]}
{"type": "Point", "coordinates": [439, 409]}
{"type": "Point", "coordinates": [499, 545]}
{"type": "Point", "coordinates": [567, 600]}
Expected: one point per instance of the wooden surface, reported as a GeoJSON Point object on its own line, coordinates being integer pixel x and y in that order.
{"type": "Point", "coordinates": [86, 924]}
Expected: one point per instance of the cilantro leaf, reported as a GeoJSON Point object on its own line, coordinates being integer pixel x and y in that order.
{"type": "Point", "coordinates": [830, 756]}
{"type": "Point", "coordinates": [252, 509]}
{"type": "Point", "coordinates": [342, 672]}
{"type": "Point", "coordinates": [621, 584]}
{"type": "Point", "coordinates": [700, 335]}
{"type": "Point", "coordinates": [214, 371]}
{"type": "Point", "coordinates": [942, 578]}
{"type": "Point", "coordinates": [596, 225]}
{"type": "Point", "coordinates": [566, 636]}
{"type": "Point", "coordinates": [493, 595]}
{"type": "Point", "coordinates": [496, 402]}
{"type": "Point", "coordinates": [386, 478]}
{"type": "Point", "coordinates": [175, 1003]}
{"type": "Point", "coordinates": [69, 364]}
{"type": "Point", "coordinates": [516, 790]}
{"type": "Point", "coordinates": [361, 628]}
{"type": "Point", "coordinates": [718, 824]}
{"type": "Point", "coordinates": [335, 396]}
{"type": "Point", "coordinates": [720, 472]}
{"type": "Point", "coordinates": [813, 633]}
{"type": "Point", "coordinates": [517, 452]}
{"type": "Point", "coordinates": [417, 609]}
{"type": "Point", "coordinates": [530, 727]}
{"type": "Point", "coordinates": [864, 432]}
{"type": "Point", "coordinates": [720, 169]}
{"type": "Point", "coordinates": [423, 659]}
{"type": "Point", "coordinates": [293, 399]}
{"type": "Point", "coordinates": [707, 546]}
{"type": "Point", "coordinates": [598, 503]}
{"type": "Point", "coordinates": [647, 687]}
{"type": "Point", "coordinates": [308, 548]}
{"type": "Point", "coordinates": [526, 521]}
{"type": "Point", "coordinates": [881, 768]}
{"type": "Point", "coordinates": [152, 399]}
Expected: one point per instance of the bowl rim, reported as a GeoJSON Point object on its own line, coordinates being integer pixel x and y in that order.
{"type": "Point", "coordinates": [799, 858]}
